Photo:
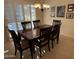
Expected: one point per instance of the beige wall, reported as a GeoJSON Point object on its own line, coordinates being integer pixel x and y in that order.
{"type": "Point", "coordinates": [67, 27]}
{"type": "Point", "coordinates": [39, 15]}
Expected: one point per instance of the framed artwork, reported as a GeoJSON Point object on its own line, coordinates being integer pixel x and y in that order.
{"type": "Point", "coordinates": [60, 11]}
{"type": "Point", "coordinates": [70, 7]}
{"type": "Point", "coordinates": [52, 11]}
{"type": "Point", "coordinates": [69, 15]}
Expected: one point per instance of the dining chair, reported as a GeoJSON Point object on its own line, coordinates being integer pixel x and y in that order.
{"type": "Point", "coordinates": [36, 23]}
{"type": "Point", "coordinates": [20, 45]}
{"type": "Point", "coordinates": [44, 38]}
{"type": "Point", "coordinates": [26, 25]}
{"type": "Point", "coordinates": [55, 33]}
{"type": "Point", "coordinates": [55, 22]}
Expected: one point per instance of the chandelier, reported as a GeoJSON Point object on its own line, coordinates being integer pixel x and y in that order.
{"type": "Point", "coordinates": [41, 5]}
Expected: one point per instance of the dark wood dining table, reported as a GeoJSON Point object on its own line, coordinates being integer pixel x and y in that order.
{"type": "Point", "coordinates": [32, 35]}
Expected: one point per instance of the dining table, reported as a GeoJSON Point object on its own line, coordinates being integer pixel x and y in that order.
{"type": "Point", "coordinates": [32, 35]}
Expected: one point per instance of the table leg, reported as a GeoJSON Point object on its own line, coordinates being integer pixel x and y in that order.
{"type": "Point", "coordinates": [31, 50]}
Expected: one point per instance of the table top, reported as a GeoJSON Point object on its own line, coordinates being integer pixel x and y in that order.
{"type": "Point", "coordinates": [33, 33]}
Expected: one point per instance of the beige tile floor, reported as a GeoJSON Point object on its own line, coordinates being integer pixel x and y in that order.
{"type": "Point", "coordinates": [63, 50]}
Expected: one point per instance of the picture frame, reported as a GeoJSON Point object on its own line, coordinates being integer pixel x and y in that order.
{"type": "Point", "coordinates": [53, 11]}
{"type": "Point", "coordinates": [60, 11]}
{"type": "Point", "coordinates": [70, 8]}
{"type": "Point", "coordinates": [69, 15]}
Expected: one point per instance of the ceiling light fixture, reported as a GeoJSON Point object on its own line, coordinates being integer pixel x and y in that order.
{"type": "Point", "coordinates": [42, 5]}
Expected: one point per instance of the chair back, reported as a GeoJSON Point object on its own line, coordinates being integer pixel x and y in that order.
{"type": "Point", "coordinates": [36, 23]}
{"type": "Point", "coordinates": [45, 32]}
{"type": "Point", "coordinates": [16, 39]}
{"type": "Point", "coordinates": [26, 25]}
{"type": "Point", "coordinates": [56, 30]}
{"type": "Point", "coordinates": [56, 22]}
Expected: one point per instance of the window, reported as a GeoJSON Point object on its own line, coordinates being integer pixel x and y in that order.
{"type": "Point", "coordinates": [12, 26]}
{"type": "Point", "coordinates": [33, 13]}
{"type": "Point", "coordinates": [9, 13]}
{"type": "Point", "coordinates": [30, 13]}
{"type": "Point", "coordinates": [20, 26]}
{"type": "Point", "coordinates": [27, 12]}
{"type": "Point", "coordinates": [19, 12]}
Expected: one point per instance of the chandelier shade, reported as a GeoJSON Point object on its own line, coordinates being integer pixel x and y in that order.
{"type": "Point", "coordinates": [45, 6]}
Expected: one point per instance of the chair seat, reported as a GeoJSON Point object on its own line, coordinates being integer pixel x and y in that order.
{"type": "Point", "coordinates": [44, 43]}
{"type": "Point", "coordinates": [24, 44]}
{"type": "Point", "coordinates": [54, 37]}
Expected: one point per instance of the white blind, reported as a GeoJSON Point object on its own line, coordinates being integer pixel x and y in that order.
{"type": "Point", "coordinates": [9, 16]}
{"type": "Point", "coordinates": [33, 13]}
{"type": "Point", "coordinates": [9, 13]}
{"type": "Point", "coordinates": [19, 12]}
{"type": "Point", "coordinates": [13, 13]}
{"type": "Point", "coordinates": [27, 12]}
